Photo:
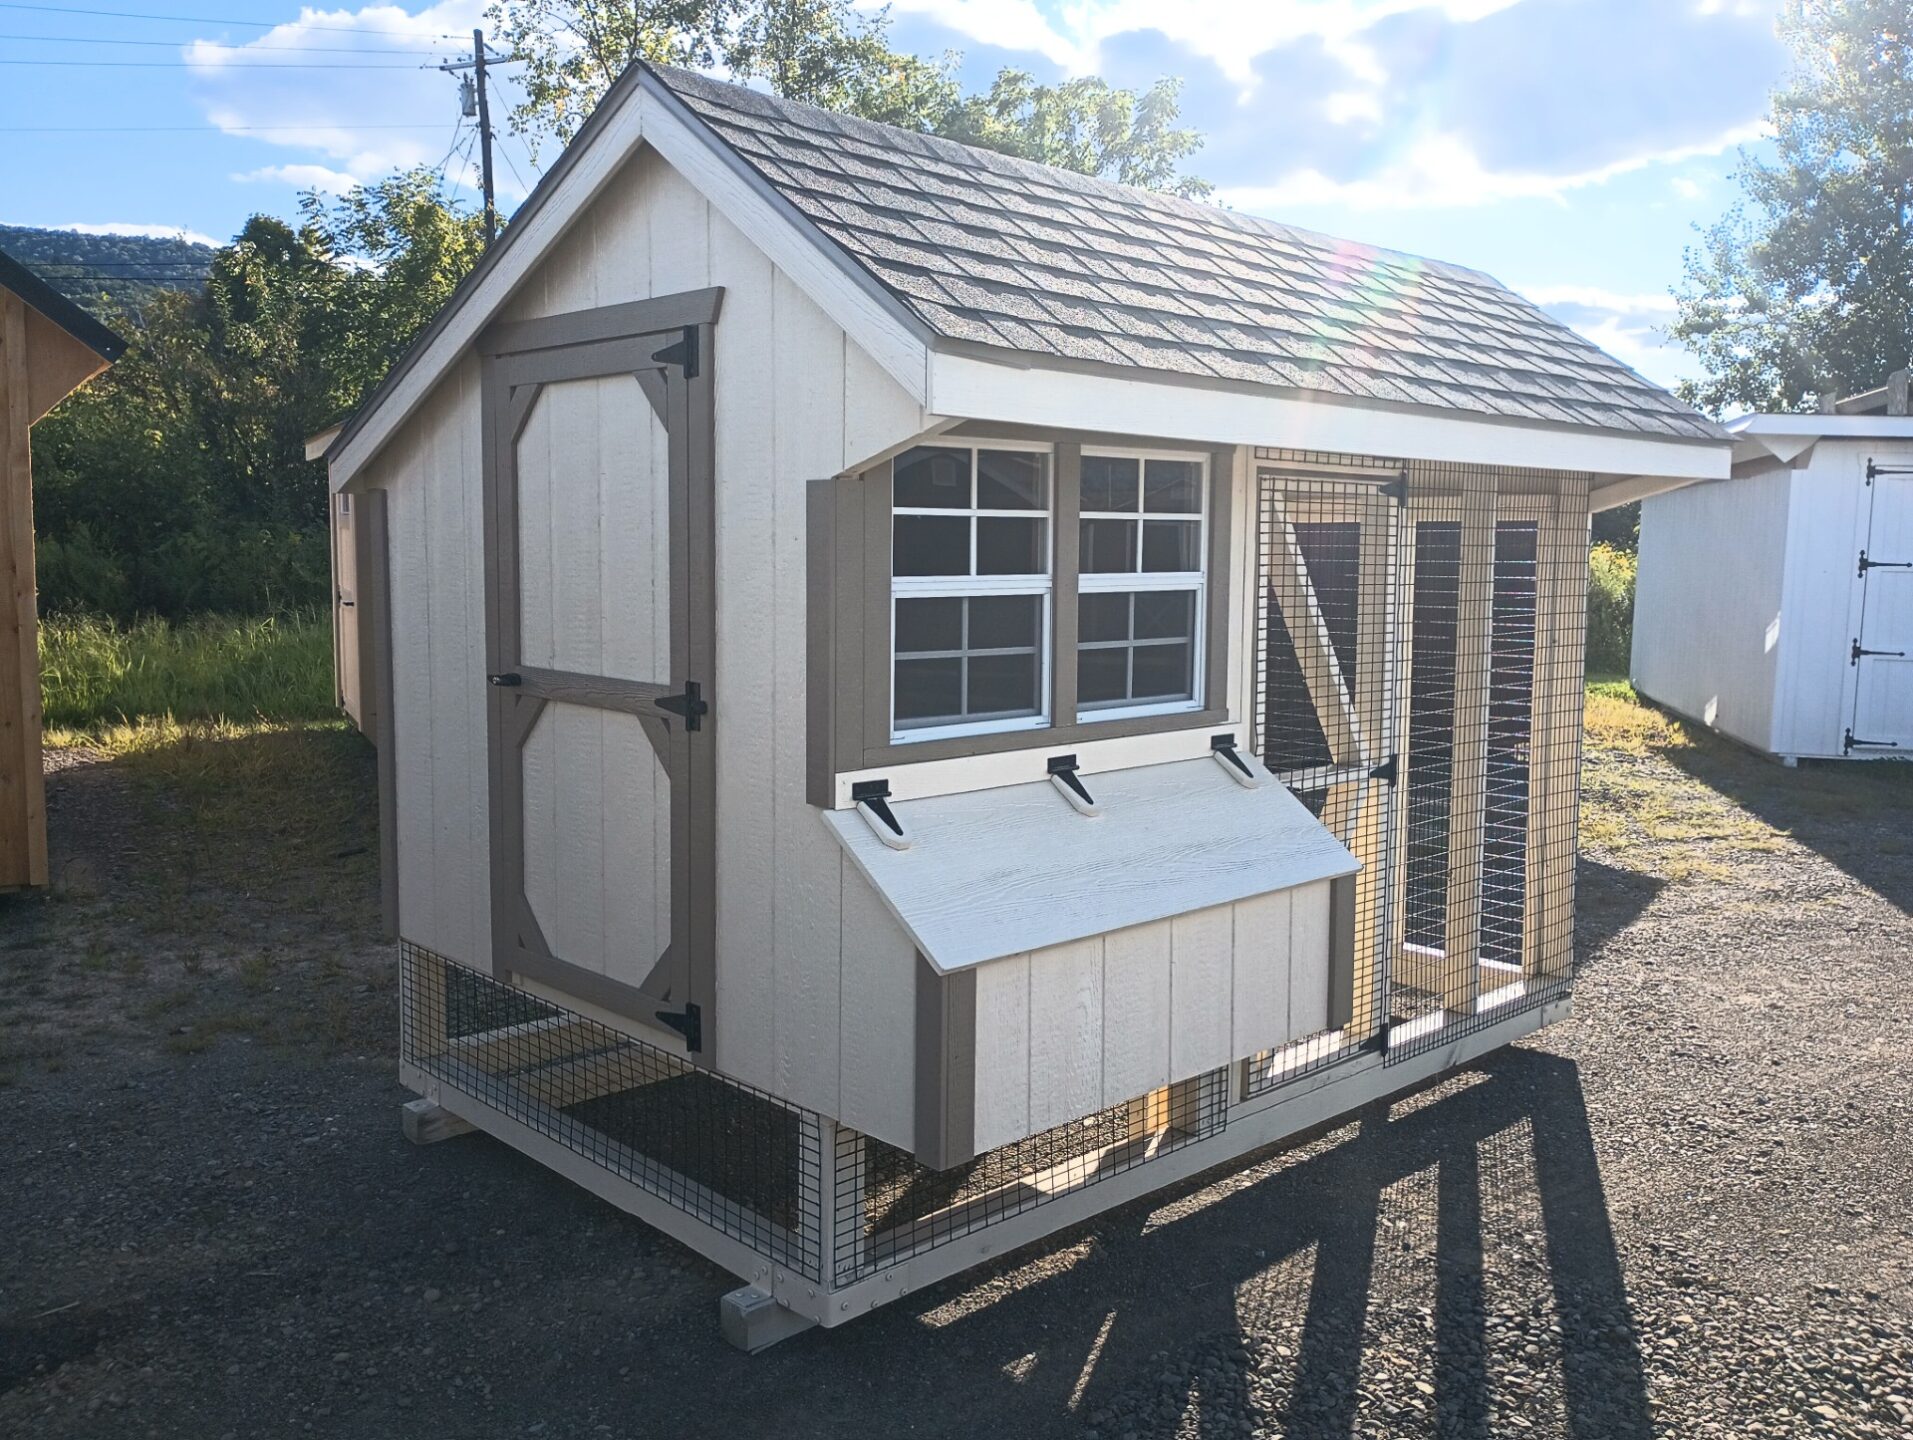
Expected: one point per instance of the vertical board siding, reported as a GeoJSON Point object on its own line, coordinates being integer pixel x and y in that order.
{"type": "Point", "coordinates": [877, 1007]}
{"type": "Point", "coordinates": [1075, 1028]}
{"type": "Point", "coordinates": [795, 403]}
{"type": "Point", "coordinates": [1003, 1052]}
{"type": "Point", "coordinates": [1308, 968]}
{"type": "Point", "coordinates": [1066, 1032]}
{"type": "Point", "coordinates": [1201, 987]}
{"type": "Point", "coordinates": [1708, 627]}
{"type": "Point", "coordinates": [1820, 601]}
{"type": "Point", "coordinates": [1135, 1011]}
{"type": "Point", "coordinates": [438, 641]}
{"type": "Point", "coordinates": [1262, 974]}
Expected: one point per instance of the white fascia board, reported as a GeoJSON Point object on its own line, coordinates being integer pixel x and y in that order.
{"type": "Point", "coordinates": [1631, 488]}
{"type": "Point", "coordinates": [1824, 427]}
{"type": "Point", "coordinates": [639, 117]}
{"type": "Point", "coordinates": [971, 388]}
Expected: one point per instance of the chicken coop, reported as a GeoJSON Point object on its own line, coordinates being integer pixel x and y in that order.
{"type": "Point", "coordinates": [920, 697]}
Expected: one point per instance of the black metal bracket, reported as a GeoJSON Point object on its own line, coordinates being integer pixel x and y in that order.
{"type": "Point", "coordinates": [1224, 745]}
{"type": "Point", "coordinates": [875, 795]}
{"type": "Point", "coordinates": [682, 353]}
{"type": "Point", "coordinates": [510, 680]}
{"type": "Point", "coordinates": [688, 1022]}
{"type": "Point", "coordinates": [1849, 742]}
{"type": "Point", "coordinates": [1396, 489]}
{"type": "Point", "coordinates": [691, 705]}
{"type": "Point", "coordinates": [1860, 651]}
{"type": "Point", "coordinates": [1389, 770]}
{"type": "Point", "coordinates": [1063, 768]}
{"type": "Point", "coordinates": [1867, 564]}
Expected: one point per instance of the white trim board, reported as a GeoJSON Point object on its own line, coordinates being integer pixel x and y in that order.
{"type": "Point", "coordinates": [998, 872]}
{"type": "Point", "coordinates": [1140, 404]}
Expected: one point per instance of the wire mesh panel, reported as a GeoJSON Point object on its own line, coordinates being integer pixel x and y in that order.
{"type": "Point", "coordinates": [889, 1206]}
{"type": "Point", "coordinates": [1494, 723]}
{"type": "Point", "coordinates": [1328, 560]}
{"type": "Point", "coordinates": [742, 1161]}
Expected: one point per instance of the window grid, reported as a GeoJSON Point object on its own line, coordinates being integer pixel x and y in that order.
{"type": "Point", "coordinates": [1038, 585]}
{"type": "Point", "coordinates": [1138, 580]}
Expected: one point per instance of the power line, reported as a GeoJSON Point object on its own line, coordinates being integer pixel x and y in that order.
{"type": "Point", "coordinates": [215, 20]}
{"type": "Point", "coordinates": [199, 129]}
{"type": "Point", "coordinates": [254, 48]}
{"type": "Point", "coordinates": [191, 65]}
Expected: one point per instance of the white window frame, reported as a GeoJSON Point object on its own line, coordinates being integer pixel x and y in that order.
{"type": "Point", "coordinates": [1125, 581]}
{"type": "Point", "coordinates": [940, 587]}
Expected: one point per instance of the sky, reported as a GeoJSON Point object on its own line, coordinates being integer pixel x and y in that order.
{"type": "Point", "coordinates": [1567, 147]}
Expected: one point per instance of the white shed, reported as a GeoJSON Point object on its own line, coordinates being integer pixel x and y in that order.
{"type": "Point", "coordinates": [921, 696]}
{"type": "Point", "coordinates": [1776, 606]}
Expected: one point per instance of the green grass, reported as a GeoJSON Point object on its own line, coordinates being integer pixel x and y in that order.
{"type": "Point", "coordinates": [96, 675]}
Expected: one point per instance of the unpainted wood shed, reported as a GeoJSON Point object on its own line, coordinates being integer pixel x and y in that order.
{"type": "Point", "coordinates": [920, 696]}
{"type": "Point", "coordinates": [1776, 606]}
{"type": "Point", "coordinates": [49, 347]}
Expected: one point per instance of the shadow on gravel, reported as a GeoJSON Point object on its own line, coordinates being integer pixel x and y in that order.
{"type": "Point", "coordinates": [1211, 1288]}
{"type": "Point", "coordinates": [1856, 814]}
{"type": "Point", "coordinates": [1608, 899]}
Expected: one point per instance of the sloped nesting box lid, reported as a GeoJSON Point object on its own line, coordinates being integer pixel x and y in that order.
{"type": "Point", "coordinates": [998, 872]}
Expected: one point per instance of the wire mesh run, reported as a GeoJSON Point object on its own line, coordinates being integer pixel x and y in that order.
{"type": "Point", "coordinates": [1419, 689]}
{"type": "Point", "coordinates": [890, 1207]}
{"type": "Point", "coordinates": [1329, 554]}
{"type": "Point", "coordinates": [740, 1160]}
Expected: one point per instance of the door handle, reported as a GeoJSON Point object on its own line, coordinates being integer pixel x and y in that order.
{"type": "Point", "coordinates": [691, 705]}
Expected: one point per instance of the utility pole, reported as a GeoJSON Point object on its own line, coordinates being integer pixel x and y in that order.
{"type": "Point", "coordinates": [475, 99]}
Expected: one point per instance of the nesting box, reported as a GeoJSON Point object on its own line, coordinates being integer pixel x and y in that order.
{"type": "Point", "coordinates": [919, 696]}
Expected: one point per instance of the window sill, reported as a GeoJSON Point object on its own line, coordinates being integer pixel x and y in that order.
{"type": "Point", "coordinates": [943, 745]}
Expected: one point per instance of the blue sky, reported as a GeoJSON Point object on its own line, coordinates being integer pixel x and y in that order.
{"type": "Point", "coordinates": [1566, 146]}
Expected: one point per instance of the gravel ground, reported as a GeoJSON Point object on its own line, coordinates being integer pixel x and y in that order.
{"type": "Point", "coordinates": [1686, 1212]}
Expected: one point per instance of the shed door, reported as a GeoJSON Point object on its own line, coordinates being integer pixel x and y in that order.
{"type": "Point", "coordinates": [602, 632]}
{"type": "Point", "coordinates": [1883, 652]}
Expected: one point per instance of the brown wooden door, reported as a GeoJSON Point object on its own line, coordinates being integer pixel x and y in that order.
{"type": "Point", "coordinates": [601, 639]}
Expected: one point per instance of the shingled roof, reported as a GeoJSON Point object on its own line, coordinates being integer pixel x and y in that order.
{"type": "Point", "coordinates": [1004, 253]}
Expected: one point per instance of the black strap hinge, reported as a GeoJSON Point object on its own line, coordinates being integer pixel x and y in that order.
{"type": "Point", "coordinates": [1868, 564]}
{"type": "Point", "coordinates": [1851, 742]}
{"type": "Point", "coordinates": [688, 1022]}
{"type": "Point", "coordinates": [1859, 651]}
{"type": "Point", "coordinates": [691, 705]}
{"type": "Point", "coordinates": [682, 353]}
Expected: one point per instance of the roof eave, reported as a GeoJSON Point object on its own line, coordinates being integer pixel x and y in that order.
{"type": "Point", "coordinates": [971, 381]}
{"type": "Point", "coordinates": [68, 316]}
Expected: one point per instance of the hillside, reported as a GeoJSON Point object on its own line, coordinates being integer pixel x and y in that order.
{"type": "Point", "coordinates": [124, 268]}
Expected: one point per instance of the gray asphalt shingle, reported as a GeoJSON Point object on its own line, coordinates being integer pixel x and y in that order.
{"type": "Point", "coordinates": [1005, 253]}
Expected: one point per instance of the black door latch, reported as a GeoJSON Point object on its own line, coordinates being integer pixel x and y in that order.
{"type": "Point", "coordinates": [691, 705]}
{"type": "Point", "coordinates": [510, 680]}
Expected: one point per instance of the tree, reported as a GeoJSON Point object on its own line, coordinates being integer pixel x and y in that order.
{"type": "Point", "coordinates": [828, 53]}
{"type": "Point", "coordinates": [1085, 125]}
{"type": "Point", "coordinates": [1806, 288]}
{"type": "Point", "coordinates": [178, 482]}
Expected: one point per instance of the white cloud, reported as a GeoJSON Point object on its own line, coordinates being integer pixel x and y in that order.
{"type": "Point", "coordinates": [151, 232]}
{"type": "Point", "coordinates": [1687, 189]}
{"type": "Point", "coordinates": [303, 177]}
{"type": "Point", "coordinates": [1444, 171]}
{"type": "Point", "coordinates": [1589, 297]}
{"type": "Point", "coordinates": [322, 110]}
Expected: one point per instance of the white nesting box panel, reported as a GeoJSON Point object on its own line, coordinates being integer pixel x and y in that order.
{"type": "Point", "coordinates": [1185, 926]}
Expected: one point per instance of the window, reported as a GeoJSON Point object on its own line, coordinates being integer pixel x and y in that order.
{"type": "Point", "coordinates": [970, 590]}
{"type": "Point", "coordinates": [1141, 584]}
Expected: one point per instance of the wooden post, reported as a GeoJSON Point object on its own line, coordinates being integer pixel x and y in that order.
{"type": "Point", "coordinates": [1375, 673]}
{"type": "Point", "coordinates": [1554, 767]}
{"type": "Point", "coordinates": [23, 854]}
{"type": "Point", "coordinates": [1468, 779]}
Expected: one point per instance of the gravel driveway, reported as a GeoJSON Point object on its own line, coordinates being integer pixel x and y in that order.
{"type": "Point", "coordinates": [1686, 1212]}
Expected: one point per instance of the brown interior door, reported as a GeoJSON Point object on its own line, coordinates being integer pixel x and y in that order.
{"type": "Point", "coordinates": [601, 641]}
